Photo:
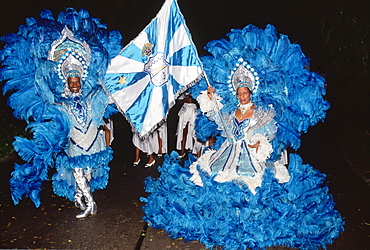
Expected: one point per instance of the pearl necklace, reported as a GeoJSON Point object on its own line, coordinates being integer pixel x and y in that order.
{"type": "Point", "coordinates": [244, 107]}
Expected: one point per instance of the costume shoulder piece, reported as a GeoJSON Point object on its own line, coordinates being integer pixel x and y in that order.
{"type": "Point", "coordinates": [33, 60]}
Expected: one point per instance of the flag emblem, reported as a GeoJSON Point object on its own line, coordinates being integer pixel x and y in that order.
{"type": "Point", "coordinates": [157, 68]}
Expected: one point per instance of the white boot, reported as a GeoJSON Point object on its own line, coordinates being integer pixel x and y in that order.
{"type": "Point", "coordinates": [84, 186]}
{"type": "Point", "coordinates": [91, 209]}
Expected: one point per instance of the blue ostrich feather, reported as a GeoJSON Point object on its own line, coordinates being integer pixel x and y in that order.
{"type": "Point", "coordinates": [63, 180]}
{"type": "Point", "coordinates": [298, 214]}
{"type": "Point", "coordinates": [296, 94]}
{"type": "Point", "coordinates": [36, 93]}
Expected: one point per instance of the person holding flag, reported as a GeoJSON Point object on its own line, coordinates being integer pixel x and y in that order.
{"type": "Point", "coordinates": [240, 194]}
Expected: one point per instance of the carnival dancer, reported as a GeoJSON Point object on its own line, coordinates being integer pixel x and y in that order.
{"type": "Point", "coordinates": [62, 63]}
{"type": "Point", "coordinates": [86, 154]}
{"type": "Point", "coordinates": [239, 194]}
{"type": "Point", "coordinates": [85, 141]}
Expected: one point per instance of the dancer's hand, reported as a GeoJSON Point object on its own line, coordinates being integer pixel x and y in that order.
{"type": "Point", "coordinates": [210, 92]}
{"type": "Point", "coordinates": [256, 146]}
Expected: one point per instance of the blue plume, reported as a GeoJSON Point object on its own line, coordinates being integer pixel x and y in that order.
{"type": "Point", "coordinates": [36, 93]}
{"type": "Point", "coordinates": [299, 214]}
{"type": "Point", "coordinates": [286, 83]}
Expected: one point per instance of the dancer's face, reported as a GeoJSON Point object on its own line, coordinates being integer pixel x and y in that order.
{"type": "Point", "coordinates": [244, 95]}
{"type": "Point", "coordinates": [74, 84]}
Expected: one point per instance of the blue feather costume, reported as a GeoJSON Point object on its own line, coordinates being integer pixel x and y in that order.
{"type": "Point", "coordinates": [297, 213]}
{"type": "Point", "coordinates": [37, 95]}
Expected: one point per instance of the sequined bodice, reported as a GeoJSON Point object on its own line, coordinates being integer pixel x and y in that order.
{"type": "Point", "coordinates": [79, 111]}
{"type": "Point", "coordinates": [238, 128]}
{"type": "Point", "coordinates": [84, 135]}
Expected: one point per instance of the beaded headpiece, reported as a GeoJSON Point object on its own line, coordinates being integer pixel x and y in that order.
{"type": "Point", "coordinates": [72, 55]}
{"type": "Point", "coordinates": [243, 75]}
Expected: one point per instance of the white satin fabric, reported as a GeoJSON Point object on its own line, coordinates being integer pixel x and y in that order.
{"type": "Point", "coordinates": [150, 144]}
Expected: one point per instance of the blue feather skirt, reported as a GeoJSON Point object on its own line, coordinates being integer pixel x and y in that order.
{"type": "Point", "coordinates": [298, 214]}
{"type": "Point", "coordinates": [63, 180]}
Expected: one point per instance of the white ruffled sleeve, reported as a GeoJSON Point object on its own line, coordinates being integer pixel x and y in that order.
{"type": "Point", "coordinates": [264, 149]}
{"type": "Point", "coordinates": [263, 134]}
{"type": "Point", "coordinates": [208, 105]}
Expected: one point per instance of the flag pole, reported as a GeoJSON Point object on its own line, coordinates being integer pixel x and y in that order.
{"type": "Point", "coordinates": [218, 108]}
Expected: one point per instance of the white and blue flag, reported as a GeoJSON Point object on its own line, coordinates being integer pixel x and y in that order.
{"type": "Point", "coordinates": [149, 74]}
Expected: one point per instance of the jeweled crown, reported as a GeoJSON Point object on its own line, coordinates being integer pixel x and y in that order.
{"type": "Point", "coordinates": [243, 75]}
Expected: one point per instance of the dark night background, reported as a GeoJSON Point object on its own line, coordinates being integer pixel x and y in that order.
{"type": "Point", "coordinates": [207, 19]}
{"type": "Point", "coordinates": [334, 34]}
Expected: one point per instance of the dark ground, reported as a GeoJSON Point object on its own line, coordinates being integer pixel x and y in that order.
{"type": "Point", "coordinates": [118, 224]}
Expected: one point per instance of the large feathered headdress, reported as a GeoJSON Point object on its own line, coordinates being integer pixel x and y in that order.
{"type": "Point", "coordinates": [283, 82]}
{"type": "Point", "coordinates": [73, 56]}
{"type": "Point", "coordinates": [243, 75]}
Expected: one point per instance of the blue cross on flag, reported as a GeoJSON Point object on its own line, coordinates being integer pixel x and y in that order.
{"type": "Point", "coordinates": [149, 74]}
